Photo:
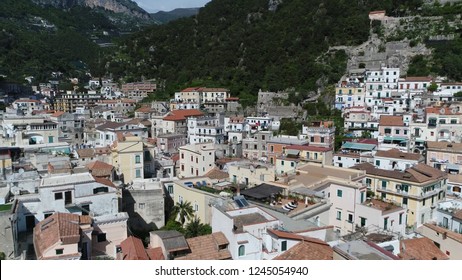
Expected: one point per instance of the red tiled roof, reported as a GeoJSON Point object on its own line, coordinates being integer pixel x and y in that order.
{"type": "Point", "coordinates": [100, 169]}
{"type": "Point", "coordinates": [391, 121]}
{"type": "Point", "coordinates": [63, 228]}
{"type": "Point", "coordinates": [181, 115]}
{"type": "Point", "coordinates": [395, 153]}
{"type": "Point", "coordinates": [155, 253]}
{"type": "Point", "coordinates": [105, 182]}
{"type": "Point", "coordinates": [217, 174]}
{"type": "Point", "coordinates": [57, 114]}
{"type": "Point", "coordinates": [190, 89]}
{"type": "Point", "coordinates": [208, 247]}
{"type": "Point", "coordinates": [420, 249]}
{"type": "Point", "coordinates": [307, 251]}
{"type": "Point", "coordinates": [441, 111]}
{"type": "Point", "coordinates": [417, 79]}
{"type": "Point", "coordinates": [133, 249]}
{"type": "Point", "coordinates": [308, 148]}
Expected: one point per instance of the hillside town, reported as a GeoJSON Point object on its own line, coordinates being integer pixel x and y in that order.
{"type": "Point", "coordinates": [101, 173]}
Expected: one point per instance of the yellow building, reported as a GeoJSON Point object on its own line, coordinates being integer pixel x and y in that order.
{"type": "Point", "coordinates": [418, 189]}
{"type": "Point", "coordinates": [201, 201]}
{"type": "Point", "coordinates": [128, 157]}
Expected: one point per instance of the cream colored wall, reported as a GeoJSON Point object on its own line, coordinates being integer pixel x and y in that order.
{"type": "Point", "coordinates": [253, 176]}
{"type": "Point", "coordinates": [124, 158]}
{"type": "Point", "coordinates": [446, 245]}
{"type": "Point", "coordinates": [69, 249]}
{"type": "Point", "coordinates": [116, 232]}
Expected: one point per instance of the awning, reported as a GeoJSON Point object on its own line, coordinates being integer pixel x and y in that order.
{"type": "Point", "coordinates": [262, 191]}
{"type": "Point", "coordinates": [293, 152]}
{"type": "Point", "coordinates": [452, 166]}
{"type": "Point", "coordinates": [397, 139]}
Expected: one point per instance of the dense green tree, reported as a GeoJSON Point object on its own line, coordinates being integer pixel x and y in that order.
{"type": "Point", "coordinates": [182, 211]}
{"type": "Point", "coordinates": [196, 228]}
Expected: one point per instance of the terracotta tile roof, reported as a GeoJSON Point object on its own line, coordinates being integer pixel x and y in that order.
{"type": "Point", "coordinates": [308, 148]}
{"type": "Point", "coordinates": [100, 169]}
{"type": "Point", "coordinates": [135, 121]}
{"type": "Point", "coordinates": [176, 157]}
{"type": "Point", "coordinates": [86, 153]}
{"type": "Point", "coordinates": [213, 89]}
{"type": "Point", "coordinates": [110, 125]}
{"type": "Point", "coordinates": [418, 79]}
{"type": "Point", "coordinates": [60, 229]}
{"type": "Point", "coordinates": [133, 249]}
{"type": "Point", "coordinates": [181, 115]}
{"type": "Point", "coordinates": [441, 111]}
{"type": "Point", "coordinates": [444, 146]}
{"type": "Point", "coordinates": [103, 151]}
{"type": "Point", "coordinates": [208, 247]}
{"type": "Point", "coordinates": [391, 121]}
{"type": "Point", "coordinates": [57, 114]}
{"type": "Point", "coordinates": [305, 250]}
{"type": "Point", "coordinates": [420, 249]}
{"type": "Point", "coordinates": [155, 253]}
{"type": "Point", "coordinates": [458, 214]}
{"type": "Point", "coordinates": [105, 182]}
{"type": "Point", "coordinates": [449, 234]}
{"type": "Point", "coordinates": [145, 109]}
{"type": "Point", "coordinates": [191, 89]}
{"type": "Point", "coordinates": [294, 236]}
{"type": "Point", "coordinates": [395, 153]}
{"type": "Point", "coordinates": [419, 173]}
{"type": "Point", "coordinates": [217, 174]}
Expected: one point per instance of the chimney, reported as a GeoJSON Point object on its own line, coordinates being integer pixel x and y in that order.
{"type": "Point", "coordinates": [238, 191]}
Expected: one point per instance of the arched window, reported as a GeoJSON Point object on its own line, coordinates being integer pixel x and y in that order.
{"type": "Point", "coordinates": [241, 250]}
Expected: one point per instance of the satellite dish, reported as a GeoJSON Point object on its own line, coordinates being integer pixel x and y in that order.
{"type": "Point", "coordinates": [21, 170]}
{"type": "Point", "coordinates": [28, 128]}
{"type": "Point", "coordinates": [442, 111]}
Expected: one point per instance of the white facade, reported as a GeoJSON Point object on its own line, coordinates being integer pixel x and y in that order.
{"type": "Point", "coordinates": [196, 159]}
{"type": "Point", "coordinates": [75, 193]}
{"type": "Point", "coordinates": [205, 129]}
{"type": "Point", "coordinates": [245, 243]}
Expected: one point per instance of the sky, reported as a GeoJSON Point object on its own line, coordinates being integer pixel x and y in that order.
{"type": "Point", "coordinates": [168, 5]}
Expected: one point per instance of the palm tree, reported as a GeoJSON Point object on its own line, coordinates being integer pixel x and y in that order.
{"type": "Point", "coordinates": [182, 211]}
{"type": "Point", "coordinates": [196, 228]}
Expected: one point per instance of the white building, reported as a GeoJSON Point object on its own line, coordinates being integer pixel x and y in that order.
{"type": "Point", "coordinates": [196, 159]}
{"type": "Point", "coordinates": [205, 129]}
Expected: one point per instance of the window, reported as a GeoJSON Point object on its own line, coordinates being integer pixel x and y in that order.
{"type": "Point", "coordinates": [405, 132]}
{"type": "Point", "coordinates": [397, 131]}
{"type": "Point", "coordinates": [384, 185]}
{"type": "Point", "coordinates": [377, 162]}
{"type": "Point", "coordinates": [101, 237]}
{"type": "Point", "coordinates": [385, 223]}
{"type": "Point", "coordinates": [322, 139]}
{"type": "Point", "coordinates": [445, 222]}
{"type": "Point", "coordinates": [339, 193]}
{"type": "Point", "coordinates": [170, 189]}
{"type": "Point", "coordinates": [59, 251]}
{"type": "Point", "coordinates": [404, 200]}
{"type": "Point", "coordinates": [141, 205]}
{"type": "Point", "coordinates": [241, 250]}
{"type": "Point", "coordinates": [350, 218]}
{"type": "Point", "coordinates": [387, 130]}
{"type": "Point", "coordinates": [363, 221]}
{"type": "Point", "coordinates": [292, 164]}
{"type": "Point", "coordinates": [137, 159]}
{"type": "Point", "coordinates": [100, 190]}
{"type": "Point", "coordinates": [400, 218]}
{"type": "Point", "coordinates": [282, 162]}
{"type": "Point", "coordinates": [312, 139]}
{"type": "Point", "coordinates": [339, 215]}
{"type": "Point", "coordinates": [138, 173]}
{"type": "Point", "coordinates": [283, 246]}
{"type": "Point", "coordinates": [272, 148]}
{"type": "Point", "coordinates": [58, 196]}
{"type": "Point", "coordinates": [46, 215]}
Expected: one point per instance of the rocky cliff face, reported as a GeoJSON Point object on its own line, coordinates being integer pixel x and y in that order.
{"type": "Point", "coordinates": [117, 6]}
